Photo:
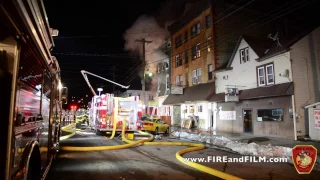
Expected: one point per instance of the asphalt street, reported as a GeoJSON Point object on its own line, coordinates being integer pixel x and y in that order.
{"type": "Point", "coordinates": [154, 163]}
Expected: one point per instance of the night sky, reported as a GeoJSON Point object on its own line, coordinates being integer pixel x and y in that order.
{"type": "Point", "coordinates": [91, 36]}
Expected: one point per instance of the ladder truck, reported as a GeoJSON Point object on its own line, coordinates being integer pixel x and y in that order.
{"type": "Point", "coordinates": [105, 110]}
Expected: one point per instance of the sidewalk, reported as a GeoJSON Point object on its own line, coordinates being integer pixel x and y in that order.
{"type": "Point", "coordinates": [247, 144]}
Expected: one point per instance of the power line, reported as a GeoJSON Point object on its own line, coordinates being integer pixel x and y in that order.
{"type": "Point", "coordinates": [95, 55]}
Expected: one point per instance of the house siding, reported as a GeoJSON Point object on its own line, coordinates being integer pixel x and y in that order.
{"type": "Point", "coordinates": [244, 76]}
{"type": "Point", "coordinates": [306, 76]}
{"type": "Point", "coordinates": [283, 129]}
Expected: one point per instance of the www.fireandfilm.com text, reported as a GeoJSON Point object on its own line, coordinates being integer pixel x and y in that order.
{"type": "Point", "coordinates": [225, 159]}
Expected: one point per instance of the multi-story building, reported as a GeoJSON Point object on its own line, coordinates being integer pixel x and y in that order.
{"type": "Point", "coordinates": [192, 62]}
{"type": "Point", "coordinates": [269, 82]}
{"type": "Point", "coordinates": [163, 84]}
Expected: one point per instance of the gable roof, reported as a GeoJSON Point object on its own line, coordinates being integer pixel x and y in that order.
{"type": "Point", "coordinates": [266, 48]}
{"type": "Point", "coordinates": [257, 44]}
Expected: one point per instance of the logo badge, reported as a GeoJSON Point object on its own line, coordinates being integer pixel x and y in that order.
{"type": "Point", "coordinates": [304, 158]}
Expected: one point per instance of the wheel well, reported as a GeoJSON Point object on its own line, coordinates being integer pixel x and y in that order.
{"type": "Point", "coordinates": [34, 171]}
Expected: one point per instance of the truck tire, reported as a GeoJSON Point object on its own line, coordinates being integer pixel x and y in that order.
{"type": "Point", "coordinates": [34, 169]}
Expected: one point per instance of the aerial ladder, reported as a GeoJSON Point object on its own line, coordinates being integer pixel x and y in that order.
{"type": "Point", "coordinates": [84, 74]}
{"type": "Point", "coordinates": [122, 113]}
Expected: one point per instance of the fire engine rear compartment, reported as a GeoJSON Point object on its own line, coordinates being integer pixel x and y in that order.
{"type": "Point", "coordinates": [106, 110]}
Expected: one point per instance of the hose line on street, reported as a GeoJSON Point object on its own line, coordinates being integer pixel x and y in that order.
{"type": "Point", "coordinates": [67, 129]}
{"type": "Point", "coordinates": [147, 142]}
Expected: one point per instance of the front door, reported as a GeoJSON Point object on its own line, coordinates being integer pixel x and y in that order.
{"type": "Point", "coordinates": [247, 121]}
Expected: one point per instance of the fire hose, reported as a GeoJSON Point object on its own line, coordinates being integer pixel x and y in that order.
{"type": "Point", "coordinates": [146, 142]}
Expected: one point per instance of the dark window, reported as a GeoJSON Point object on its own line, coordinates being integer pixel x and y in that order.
{"type": "Point", "coordinates": [208, 21]}
{"type": "Point", "coordinates": [166, 65]}
{"type": "Point", "coordinates": [270, 115]}
{"type": "Point", "coordinates": [196, 51]}
{"type": "Point", "coordinates": [178, 60]}
{"type": "Point", "coordinates": [210, 72]}
{"type": "Point", "coordinates": [186, 56]}
{"type": "Point", "coordinates": [186, 36]}
{"type": "Point", "coordinates": [208, 44]}
{"type": "Point", "coordinates": [178, 41]}
{"type": "Point", "coordinates": [195, 29]}
{"type": "Point", "coordinates": [244, 55]}
{"type": "Point", "coordinates": [187, 80]}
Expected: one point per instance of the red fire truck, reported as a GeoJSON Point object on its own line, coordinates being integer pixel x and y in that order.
{"type": "Point", "coordinates": [30, 91]}
{"type": "Point", "coordinates": [105, 109]}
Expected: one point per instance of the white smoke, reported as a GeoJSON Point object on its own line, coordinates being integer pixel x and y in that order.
{"type": "Point", "coordinates": [146, 27]}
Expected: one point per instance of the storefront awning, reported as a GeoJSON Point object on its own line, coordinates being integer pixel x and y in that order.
{"type": "Point", "coordinates": [201, 92]}
{"type": "Point", "coordinates": [284, 89]}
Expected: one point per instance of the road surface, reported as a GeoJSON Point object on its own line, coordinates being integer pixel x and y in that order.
{"type": "Point", "coordinates": [154, 163]}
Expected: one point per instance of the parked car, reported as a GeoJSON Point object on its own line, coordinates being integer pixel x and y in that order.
{"type": "Point", "coordinates": [155, 125]}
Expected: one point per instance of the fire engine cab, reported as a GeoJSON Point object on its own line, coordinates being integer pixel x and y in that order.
{"type": "Point", "coordinates": [107, 109]}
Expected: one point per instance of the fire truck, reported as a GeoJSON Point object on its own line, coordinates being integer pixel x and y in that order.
{"type": "Point", "coordinates": [106, 110]}
{"type": "Point", "coordinates": [30, 91]}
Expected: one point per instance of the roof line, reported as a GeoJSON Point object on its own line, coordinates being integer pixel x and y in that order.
{"type": "Point", "coordinates": [234, 52]}
{"type": "Point", "coordinates": [272, 55]}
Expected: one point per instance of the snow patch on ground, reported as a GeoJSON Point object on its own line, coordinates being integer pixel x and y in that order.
{"type": "Point", "coordinates": [242, 148]}
{"type": "Point", "coordinates": [251, 149]}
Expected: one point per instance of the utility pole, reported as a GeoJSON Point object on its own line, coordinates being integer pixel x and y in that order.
{"type": "Point", "coordinates": [143, 69]}
{"type": "Point", "coordinates": [114, 79]}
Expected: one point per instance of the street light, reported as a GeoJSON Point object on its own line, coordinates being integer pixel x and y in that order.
{"type": "Point", "coordinates": [60, 85]}
{"type": "Point", "coordinates": [100, 89]}
{"type": "Point", "coordinates": [150, 74]}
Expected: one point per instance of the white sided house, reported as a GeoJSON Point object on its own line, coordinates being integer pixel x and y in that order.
{"type": "Point", "coordinates": [259, 98]}
{"type": "Point", "coordinates": [255, 92]}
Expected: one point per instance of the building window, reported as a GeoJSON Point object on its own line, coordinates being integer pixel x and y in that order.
{"type": "Point", "coordinates": [270, 114]}
{"type": "Point", "coordinates": [208, 21]}
{"type": "Point", "coordinates": [186, 36]}
{"type": "Point", "coordinates": [167, 82]}
{"type": "Point", "coordinates": [179, 80]}
{"type": "Point", "coordinates": [261, 76]}
{"type": "Point", "coordinates": [269, 74]}
{"type": "Point", "coordinates": [178, 41]}
{"type": "Point", "coordinates": [265, 74]}
{"type": "Point", "coordinates": [199, 75]}
{"type": "Point", "coordinates": [244, 55]}
{"type": "Point", "coordinates": [150, 97]}
{"type": "Point", "coordinates": [196, 76]}
{"type": "Point", "coordinates": [196, 52]}
{"type": "Point", "coordinates": [195, 29]}
{"type": "Point", "coordinates": [199, 108]}
{"type": "Point", "coordinates": [166, 65]}
{"type": "Point", "coordinates": [186, 56]}
{"type": "Point", "coordinates": [210, 69]}
{"type": "Point", "coordinates": [187, 80]}
{"type": "Point", "coordinates": [208, 45]}
{"type": "Point", "coordinates": [178, 60]}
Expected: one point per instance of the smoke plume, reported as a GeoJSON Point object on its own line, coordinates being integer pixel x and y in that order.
{"type": "Point", "coordinates": [146, 27]}
{"type": "Point", "coordinates": [154, 28]}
